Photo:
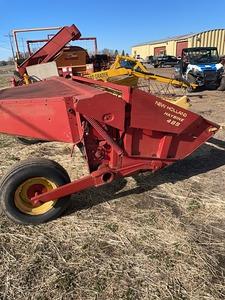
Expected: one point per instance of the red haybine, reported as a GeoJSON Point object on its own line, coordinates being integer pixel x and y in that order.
{"type": "Point", "coordinates": [119, 130]}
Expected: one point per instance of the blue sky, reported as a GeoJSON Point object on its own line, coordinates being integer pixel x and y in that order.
{"type": "Point", "coordinates": [116, 24]}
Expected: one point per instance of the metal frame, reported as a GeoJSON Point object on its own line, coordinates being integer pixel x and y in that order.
{"type": "Point", "coordinates": [51, 48]}
{"type": "Point", "coordinates": [46, 40]}
{"type": "Point", "coordinates": [16, 31]}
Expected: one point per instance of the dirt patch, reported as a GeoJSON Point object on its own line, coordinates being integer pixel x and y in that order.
{"type": "Point", "coordinates": [148, 236]}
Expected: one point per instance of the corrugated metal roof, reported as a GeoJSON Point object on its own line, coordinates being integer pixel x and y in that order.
{"type": "Point", "coordinates": [173, 38]}
{"type": "Point", "coordinates": [176, 38]}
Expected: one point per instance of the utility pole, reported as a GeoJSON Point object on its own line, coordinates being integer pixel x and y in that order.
{"type": "Point", "coordinates": [11, 45]}
{"type": "Point", "coordinates": [24, 52]}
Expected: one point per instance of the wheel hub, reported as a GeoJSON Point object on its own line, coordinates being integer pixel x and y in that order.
{"type": "Point", "coordinates": [30, 188]}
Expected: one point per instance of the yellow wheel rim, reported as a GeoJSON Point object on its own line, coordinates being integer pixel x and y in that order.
{"type": "Point", "coordinates": [29, 189]}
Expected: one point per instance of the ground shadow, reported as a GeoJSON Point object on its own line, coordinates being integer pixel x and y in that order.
{"type": "Point", "coordinates": [209, 157]}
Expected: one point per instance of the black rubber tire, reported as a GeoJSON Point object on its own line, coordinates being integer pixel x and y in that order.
{"type": "Point", "coordinates": [222, 85]}
{"type": "Point", "coordinates": [39, 167]}
{"type": "Point", "coordinates": [191, 79]}
{"type": "Point", "coordinates": [190, 89]}
{"type": "Point", "coordinates": [27, 141]}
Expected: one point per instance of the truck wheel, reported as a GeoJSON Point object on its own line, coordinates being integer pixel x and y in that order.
{"type": "Point", "coordinates": [222, 85]}
{"type": "Point", "coordinates": [190, 89]}
{"type": "Point", "coordinates": [23, 181]}
{"type": "Point", "coordinates": [191, 79]}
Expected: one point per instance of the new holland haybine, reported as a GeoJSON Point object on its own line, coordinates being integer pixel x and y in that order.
{"type": "Point", "coordinates": [120, 131]}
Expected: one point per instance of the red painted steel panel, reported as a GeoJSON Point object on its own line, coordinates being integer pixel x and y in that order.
{"type": "Point", "coordinates": [163, 130]}
{"type": "Point", "coordinates": [39, 118]}
{"type": "Point", "coordinates": [104, 108]}
{"type": "Point", "coordinates": [53, 87]}
{"type": "Point", "coordinates": [159, 51]}
{"type": "Point", "coordinates": [124, 90]}
{"type": "Point", "coordinates": [180, 46]}
{"type": "Point", "coordinates": [43, 89]}
{"type": "Point", "coordinates": [45, 109]}
{"type": "Point", "coordinates": [153, 113]}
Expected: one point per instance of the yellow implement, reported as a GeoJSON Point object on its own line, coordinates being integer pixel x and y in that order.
{"type": "Point", "coordinates": [127, 70]}
{"type": "Point", "coordinates": [126, 65]}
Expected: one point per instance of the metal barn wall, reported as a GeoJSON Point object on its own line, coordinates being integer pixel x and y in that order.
{"type": "Point", "coordinates": [143, 51]}
{"type": "Point", "coordinates": [211, 38]}
{"type": "Point", "coordinates": [146, 50]}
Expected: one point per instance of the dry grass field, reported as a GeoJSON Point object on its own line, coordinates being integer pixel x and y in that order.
{"type": "Point", "coordinates": [5, 73]}
{"type": "Point", "coordinates": [146, 237]}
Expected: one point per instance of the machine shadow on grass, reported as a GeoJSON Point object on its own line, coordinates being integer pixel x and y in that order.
{"type": "Point", "coordinates": [209, 157]}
